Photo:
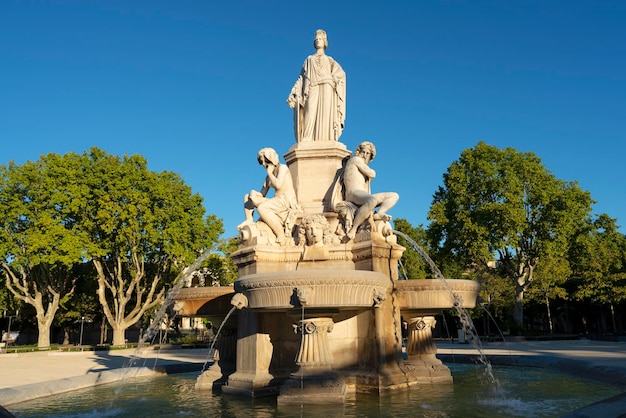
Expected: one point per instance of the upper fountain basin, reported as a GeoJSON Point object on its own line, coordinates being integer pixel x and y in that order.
{"type": "Point", "coordinates": [334, 289]}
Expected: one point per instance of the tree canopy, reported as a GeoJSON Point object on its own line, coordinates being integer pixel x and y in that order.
{"type": "Point", "coordinates": [503, 208]}
{"type": "Point", "coordinates": [39, 236]}
{"type": "Point", "coordinates": [599, 263]}
{"type": "Point", "coordinates": [412, 264]}
{"type": "Point", "coordinates": [137, 227]}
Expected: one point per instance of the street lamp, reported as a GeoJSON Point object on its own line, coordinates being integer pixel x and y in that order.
{"type": "Point", "coordinates": [82, 326]}
{"type": "Point", "coordinates": [82, 323]}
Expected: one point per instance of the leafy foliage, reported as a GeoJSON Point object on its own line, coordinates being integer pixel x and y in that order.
{"type": "Point", "coordinates": [39, 236]}
{"type": "Point", "coordinates": [139, 229]}
{"type": "Point", "coordinates": [412, 264]}
{"type": "Point", "coordinates": [144, 227]}
{"type": "Point", "coordinates": [599, 262]}
{"type": "Point", "coordinates": [505, 206]}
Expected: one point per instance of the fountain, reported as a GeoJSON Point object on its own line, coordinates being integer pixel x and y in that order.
{"type": "Point", "coordinates": [317, 314]}
{"type": "Point", "coordinates": [320, 307]}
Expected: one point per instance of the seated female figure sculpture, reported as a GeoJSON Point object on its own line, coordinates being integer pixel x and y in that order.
{"type": "Point", "coordinates": [279, 211]}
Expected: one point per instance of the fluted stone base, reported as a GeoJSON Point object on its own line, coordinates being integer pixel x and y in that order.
{"type": "Point", "coordinates": [315, 381]}
{"type": "Point", "coordinates": [421, 351]}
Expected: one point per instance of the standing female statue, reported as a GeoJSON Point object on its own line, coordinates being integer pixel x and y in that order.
{"type": "Point", "coordinates": [318, 97]}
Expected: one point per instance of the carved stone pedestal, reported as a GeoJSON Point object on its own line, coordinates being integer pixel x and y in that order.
{"type": "Point", "coordinates": [315, 381]}
{"type": "Point", "coordinates": [421, 351]}
{"type": "Point", "coordinates": [313, 166]}
{"type": "Point", "coordinates": [224, 358]}
{"type": "Point", "coordinates": [254, 354]}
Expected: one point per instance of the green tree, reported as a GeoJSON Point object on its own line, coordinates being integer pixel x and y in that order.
{"type": "Point", "coordinates": [138, 228]}
{"type": "Point", "coordinates": [39, 236]}
{"type": "Point", "coordinates": [83, 303]}
{"type": "Point", "coordinates": [413, 265]}
{"type": "Point", "coordinates": [505, 206]}
{"type": "Point", "coordinates": [221, 266]}
{"type": "Point", "coordinates": [144, 228]}
{"type": "Point", "coordinates": [599, 261]}
{"type": "Point", "coordinates": [548, 284]}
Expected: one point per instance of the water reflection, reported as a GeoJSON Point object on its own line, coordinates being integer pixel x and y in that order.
{"type": "Point", "coordinates": [528, 392]}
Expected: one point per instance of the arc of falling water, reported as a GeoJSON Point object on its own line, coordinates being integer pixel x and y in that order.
{"type": "Point", "coordinates": [178, 284]}
{"type": "Point", "coordinates": [457, 304]}
{"type": "Point", "coordinates": [211, 354]}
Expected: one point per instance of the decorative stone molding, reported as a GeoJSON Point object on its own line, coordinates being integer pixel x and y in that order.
{"type": "Point", "coordinates": [304, 295]}
{"type": "Point", "coordinates": [420, 339]}
{"type": "Point", "coordinates": [432, 295]}
{"type": "Point", "coordinates": [335, 289]}
{"type": "Point", "coordinates": [239, 301]}
{"type": "Point", "coordinates": [314, 351]}
{"type": "Point", "coordinates": [208, 292]}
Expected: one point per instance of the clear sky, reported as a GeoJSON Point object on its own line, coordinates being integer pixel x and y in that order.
{"type": "Point", "coordinates": [199, 86]}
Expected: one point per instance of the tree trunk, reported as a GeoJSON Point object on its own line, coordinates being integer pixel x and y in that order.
{"type": "Point", "coordinates": [119, 335]}
{"type": "Point", "coordinates": [43, 340]}
{"type": "Point", "coordinates": [103, 331]}
{"type": "Point", "coordinates": [518, 309]}
{"type": "Point", "coordinates": [549, 315]}
{"type": "Point", "coordinates": [613, 318]}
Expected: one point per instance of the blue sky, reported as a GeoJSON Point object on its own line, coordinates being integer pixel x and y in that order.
{"type": "Point", "coordinates": [198, 87]}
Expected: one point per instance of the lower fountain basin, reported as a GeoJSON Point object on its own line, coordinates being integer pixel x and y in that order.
{"type": "Point", "coordinates": [429, 296]}
{"type": "Point", "coordinates": [334, 289]}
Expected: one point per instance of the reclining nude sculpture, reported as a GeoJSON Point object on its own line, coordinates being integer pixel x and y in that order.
{"type": "Point", "coordinates": [278, 212]}
{"type": "Point", "coordinates": [318, 96]}
{"type": "Point", "coordinates": [359, 204]}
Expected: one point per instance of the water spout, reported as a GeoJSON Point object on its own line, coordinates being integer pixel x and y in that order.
{"type": "Point", "coordinates": [173, 292]}
{"type": "Point", "coordinates": [457, 304]}
{"type": "Point", "coordinates": [211, 354]}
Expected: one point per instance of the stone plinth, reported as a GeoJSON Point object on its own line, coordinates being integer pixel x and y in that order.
{"type": "Point", "coordinates": [421, 352]}
{"type": "Point", "coordinates": [224, 360]}
{"type": "Point", "coordinates": [369, 252]}
{"type": "Point", "coordinates": [419, 301]}
{"type": "Point", "coordinates": [314, 167]}
{"type": "Point", "coordinates": [254, 355]}
{"type": "Point", "coordinates": [314, 381]}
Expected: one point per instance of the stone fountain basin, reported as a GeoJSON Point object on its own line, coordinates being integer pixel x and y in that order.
{"type": "Point", "coordinates": [212, 302]}
{"type": "Point", "coordinates": [429, 296]}
{"type": "Point", "coordinates": [330, 289]}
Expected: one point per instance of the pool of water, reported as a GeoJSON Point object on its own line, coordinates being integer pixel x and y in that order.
{"type": "Point", "coordinates": [523, 392]}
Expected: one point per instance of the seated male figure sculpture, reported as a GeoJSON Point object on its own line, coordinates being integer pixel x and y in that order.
{"type": "Point", "coordinates": [357, 177]}
{"type": "Point", "coordinates": [276, 210]}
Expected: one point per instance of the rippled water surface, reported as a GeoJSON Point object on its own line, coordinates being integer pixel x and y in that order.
{"type": "Point", "coordinates": [524, 392]}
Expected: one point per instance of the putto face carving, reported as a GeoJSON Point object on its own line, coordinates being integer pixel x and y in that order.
{"type": "Point", "coordinates": [314, 231]}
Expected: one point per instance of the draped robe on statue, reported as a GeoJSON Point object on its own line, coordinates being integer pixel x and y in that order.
{"type": "Point", "coordinates": [320, 96]}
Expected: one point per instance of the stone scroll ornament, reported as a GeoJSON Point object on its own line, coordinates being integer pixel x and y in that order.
{"type": "Point", "coordinates": [352, 198]}
{"type": "Point", "coordinates": [318, 97]}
